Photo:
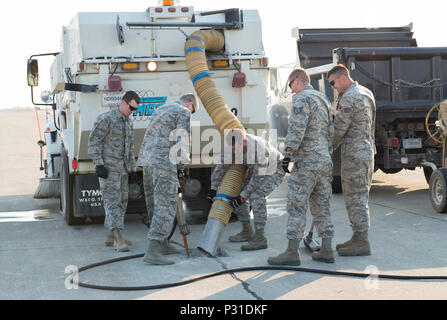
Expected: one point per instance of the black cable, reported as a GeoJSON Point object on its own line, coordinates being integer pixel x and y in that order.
{"type": "Point", "coordinates": [235, 270]}
{"type": "Point", "coordinates": [116, 68]}
{"type": "Point", "coordinates": [174, 225]}
{"type": "Point", "coordinates": [54, 119]}
{"type": "Point", "coordinates": [406, 84]}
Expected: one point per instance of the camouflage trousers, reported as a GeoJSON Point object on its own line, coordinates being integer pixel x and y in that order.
{"type": "Point", "coordinates": [312, 187]}
{"type": "Point", "coordinates": [356, 179]}
{"type": "Point", "coordinates": [148, 185]}
{"type": "Point", "coordinates": [165, 186]}
{"type": "Point", "coordinates": [258, 200]}
{"type": "Point", "coordinates": [114, 191]}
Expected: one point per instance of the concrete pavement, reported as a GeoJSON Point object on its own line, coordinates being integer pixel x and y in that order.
{"type": "Point", "coordinates": [36, 246]}
{"type": "Point", "coordinates": [407, 238]}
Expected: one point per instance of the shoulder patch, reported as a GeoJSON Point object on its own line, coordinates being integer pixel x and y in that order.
{"type": "Point", "coordinates": [298, 110]}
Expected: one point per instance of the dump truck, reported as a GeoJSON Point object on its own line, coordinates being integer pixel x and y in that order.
{"type": "Point", "coordinates": [104, 54]}
{"type": "Point", "coordinates": [407, 81]}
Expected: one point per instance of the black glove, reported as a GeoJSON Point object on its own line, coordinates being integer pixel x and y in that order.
{"type": "Point", "coordinates": [133, 177]}
{"type": "Point", "coordinates": [236, 201]}
{"type": "Point", "coordinates": [102, 172]}
{"type": "Point", "coordinates": [211, 194]}
{"type": "Point", "coordinates": [285, 164]}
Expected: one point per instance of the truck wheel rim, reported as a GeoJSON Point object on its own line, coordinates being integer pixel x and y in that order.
{"type": "Point", "coordinates": [438, 194]}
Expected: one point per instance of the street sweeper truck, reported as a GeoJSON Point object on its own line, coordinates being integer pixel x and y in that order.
{"type": "Point", "coordinates": [104, 54]}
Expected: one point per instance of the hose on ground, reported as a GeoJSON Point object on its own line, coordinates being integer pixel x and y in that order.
{"type": "Point", "coordinates": [236, 270]}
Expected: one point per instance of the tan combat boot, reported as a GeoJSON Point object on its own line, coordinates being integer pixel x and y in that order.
{"type": "Point", "coordinates": [167, 248]}
{"type": "Point", "coordinates": [290, 257]}
{"type": "Point", "coordinates": [118, 240]}
{"type": "Point", "coordinates": [357, 246]}
{"type": "Point", "coordinates": [257, 243]}
{"type": "Point", "coordinates": [344, 244]}
{"type": "Point", "coordinates": [325, 254]}
{"type": "Point", "coordinates": [109, 240]}
{"type": "Point", "coordinates": [246, 234]}
{"type": "Point", "coordinates": [154, 254]}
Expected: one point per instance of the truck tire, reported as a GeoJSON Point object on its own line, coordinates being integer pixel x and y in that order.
{"type": "Point", "coordinates": [278, 118]}
{"type": "Point", "coordinates": [197, 207]}
{"type": "Point", "coordinates": [438, 190]}
{"type": "Point", "coordinates": [67, 194]}
{"type": "Point", "coordinates": [336, 184]}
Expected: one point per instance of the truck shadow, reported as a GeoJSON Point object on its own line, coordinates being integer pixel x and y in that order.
{"type": "Point", "coordinates": [26, 202]}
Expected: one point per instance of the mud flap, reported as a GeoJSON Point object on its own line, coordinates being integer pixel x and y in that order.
{"type": "Point", "coordinates": [88, 197]}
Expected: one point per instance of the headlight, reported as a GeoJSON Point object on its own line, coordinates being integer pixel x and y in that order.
{"type": "Point", "coordinates": [151, 66]}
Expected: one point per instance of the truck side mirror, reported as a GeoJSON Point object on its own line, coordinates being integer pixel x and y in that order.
{"type": "Point", "coordinates": [46, 97]}
{"type": "Point", "coordinates": [33, 72]}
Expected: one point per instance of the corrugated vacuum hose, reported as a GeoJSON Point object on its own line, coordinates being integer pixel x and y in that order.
{"type": "Point", "coordinates": [195, 52]}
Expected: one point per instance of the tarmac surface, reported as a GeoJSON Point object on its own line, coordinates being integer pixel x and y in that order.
{"type": "Point", "coordinates": [39, 252]}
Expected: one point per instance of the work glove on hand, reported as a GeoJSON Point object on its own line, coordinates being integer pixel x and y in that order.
{"type": "Point", "coordinates": [236, 201]}
{"type": "Point", "coordinates": [133, 177]}
{"type": "Point", "coordinates": [211, 194]}
{"type": "Point", "coordinates": [285, 164]}
{"type": "Point", "coordinates": [102, 172]}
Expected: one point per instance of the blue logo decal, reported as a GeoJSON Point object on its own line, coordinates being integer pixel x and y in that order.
{"type": "Point", "coordinates": [148, 105]}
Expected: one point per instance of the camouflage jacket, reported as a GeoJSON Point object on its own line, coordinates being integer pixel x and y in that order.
{"type": "Point", "coordinates": [262, 160]}
{"type": "Point", "coordinates": [354, 123]}
{"type": "Point", "coordinates": [111, 142]}
{"type": "Point", "coordinates": [166, 142]}
{"type": "Point", "coordinates": [310, 130]}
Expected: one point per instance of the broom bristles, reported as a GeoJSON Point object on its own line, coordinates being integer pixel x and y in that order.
{"type": "Point", "coordinates": [48, 188]}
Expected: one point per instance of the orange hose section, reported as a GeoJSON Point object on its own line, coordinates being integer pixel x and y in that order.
{"type": "Point", "coordinates": [218, 111]}
{"type": "Point", "coordinates": [38, 127]}
{"type": "Point", "coordinates": [38, 123]}
{"type": "Point", "coordinates": [206, 89]}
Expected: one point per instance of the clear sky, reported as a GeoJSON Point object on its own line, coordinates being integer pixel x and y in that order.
{"type": "Point", "coordinates": [31, 27]}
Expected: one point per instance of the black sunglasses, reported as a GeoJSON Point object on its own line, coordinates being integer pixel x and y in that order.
{"type": "Point", "coordinates": [130, 107]}
{"type": "Point", "coordinates": [290, 83]}
{"type": "Point", "coordinates": [333, 81]}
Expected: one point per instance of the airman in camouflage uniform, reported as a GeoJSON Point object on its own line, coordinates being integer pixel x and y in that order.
{"type": "Point", "coordinates": [164, 150]}
{"type": "Point", "coordinates": [308, 145]}
{"type": "Point", "coordinates": [354, 133]}
{"type": "Point", "coordinates": [263, 175]}
{"type": "Point", "coordinates": [111, 146]}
